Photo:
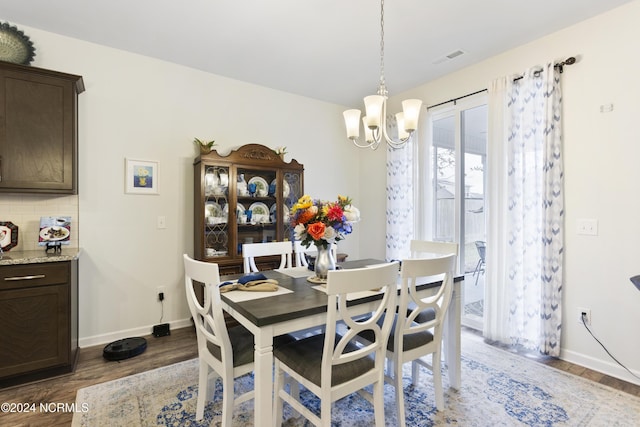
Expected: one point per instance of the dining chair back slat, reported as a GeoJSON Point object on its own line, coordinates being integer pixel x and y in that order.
{"type": "Point", "coordinates": [419, 248]}
{"type": "Point", "coordinates": [430, 249]}
{"type": "Point", "coordinates": [252, 250]}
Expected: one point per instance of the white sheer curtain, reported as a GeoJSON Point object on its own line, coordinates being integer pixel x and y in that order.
{"type": "Point", "coordinates": [400, 199]}
{"type": "Point", "coordinates": [526, 212]}
{"type": "Point", "coordinates": [496, 310]}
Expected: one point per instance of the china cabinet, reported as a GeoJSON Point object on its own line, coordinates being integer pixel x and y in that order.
{"type": "Point", "coordinates": [38, 130]}
{"type": "Point", "coordinates": [242, 197]}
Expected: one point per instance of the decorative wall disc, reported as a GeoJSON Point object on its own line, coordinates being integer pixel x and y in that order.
{"type": "Point", "coordinates": [15, 46]}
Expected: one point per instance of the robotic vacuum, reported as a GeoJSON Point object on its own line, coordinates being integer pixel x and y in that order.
{"type": "Point", "coordinates": [125, 348]}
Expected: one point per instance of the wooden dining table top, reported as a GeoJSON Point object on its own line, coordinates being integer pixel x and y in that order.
{"type": "Point", "coordinates": [305, 300]}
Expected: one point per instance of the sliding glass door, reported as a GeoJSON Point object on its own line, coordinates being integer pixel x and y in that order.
{"type": "Point", "coordinates": [456, 167]}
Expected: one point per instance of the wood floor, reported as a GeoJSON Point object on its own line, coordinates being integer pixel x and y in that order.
{"type": "Point", "coordinates": [92, 369]}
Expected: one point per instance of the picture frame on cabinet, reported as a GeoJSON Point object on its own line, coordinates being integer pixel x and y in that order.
{"type": "Point", "coordinates": [54, 230]}
{"type": "Point", "coordinates": [141, 176]}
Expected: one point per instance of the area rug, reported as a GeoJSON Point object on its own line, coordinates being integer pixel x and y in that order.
{"type": "Point", "coordinates": [498, 389]}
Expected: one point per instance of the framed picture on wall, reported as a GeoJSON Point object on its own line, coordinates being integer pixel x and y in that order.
{"type": "Point", "coordinates": [141, 177]}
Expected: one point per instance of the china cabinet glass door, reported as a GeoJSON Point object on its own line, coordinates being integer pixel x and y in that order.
{"type": "Point", "coordinates": [216, 211]}
{"type": "Point", "coordinates": [256, 206]}
{"type": "Point", "coordinates": [292, 191]}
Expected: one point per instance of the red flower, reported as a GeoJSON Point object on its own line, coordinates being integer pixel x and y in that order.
{"type": "Point", "coordinates": [335, 213]}
{"type": "Point", "coordinates": [316, 230]}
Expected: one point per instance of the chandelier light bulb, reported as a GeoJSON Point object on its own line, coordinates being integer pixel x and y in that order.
{"type": "Point", "coordinates": [368, 132]}
{"type": "Point", "coordinates": [402, 133]}
{"type": "Point", "coordinates": [411, 109]}
{"type": "Point", "coordinates": [352, 121]}
{"type": "Point", "coordinates": [373, 105]}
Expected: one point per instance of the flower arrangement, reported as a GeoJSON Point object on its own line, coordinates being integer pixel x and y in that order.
{"type": "Point", "coordinates": [323, 223]}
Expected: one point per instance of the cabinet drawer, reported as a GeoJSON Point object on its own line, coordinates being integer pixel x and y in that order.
{"type": "Point", "coordinates": [32, 275]}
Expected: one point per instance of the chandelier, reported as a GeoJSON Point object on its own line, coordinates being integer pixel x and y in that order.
{"type": "Point", "coordinates": [375, 120]}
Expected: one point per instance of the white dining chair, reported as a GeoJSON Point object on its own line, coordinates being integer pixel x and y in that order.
{"type": "Point", "coordinates": [227, 353]}
{"type": "Point", "coordinates": [411, 339]}
{"type": "Point", "coordinates": [216, 350]}
{"type": "Point", "coordinates": [300, 251]}
{"type": "Point", "coordinates": [333, 365]}
{"type": "Point", "coordinates": [252, 250]}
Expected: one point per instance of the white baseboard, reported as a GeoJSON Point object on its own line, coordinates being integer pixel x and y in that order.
{"type": "Point", "coordinates": [609, 368]}
{"type": "Point", "coordinates": [135, 332]}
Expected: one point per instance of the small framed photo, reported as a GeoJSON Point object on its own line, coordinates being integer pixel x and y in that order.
{"type": "Point", "coordinates": [141, 177]}
{"type": "Point", "coordinates": [54, 230]}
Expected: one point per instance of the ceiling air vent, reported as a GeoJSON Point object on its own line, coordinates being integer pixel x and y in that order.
{"type": "Point", "coordinates": [449, 56]}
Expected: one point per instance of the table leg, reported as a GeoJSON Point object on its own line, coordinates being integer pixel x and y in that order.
{"type": "Point", "coordinates": [452, 329]}
{"type": "Point", "coordinates": [263, 378]}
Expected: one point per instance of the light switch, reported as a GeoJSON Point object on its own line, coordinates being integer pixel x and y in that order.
{"type": "Point", "coordinates": [587, 227]}
{"type": "Point", "coordinates": [162, 222]}
{"type": "Point", "coordinates": [606, 108]}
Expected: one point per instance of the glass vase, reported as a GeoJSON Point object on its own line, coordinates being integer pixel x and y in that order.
{"type": "Point", "coordinates": [324, 262]}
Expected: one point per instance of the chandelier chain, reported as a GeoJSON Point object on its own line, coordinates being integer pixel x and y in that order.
{"type": "Point", "coordinates": [383, 87]}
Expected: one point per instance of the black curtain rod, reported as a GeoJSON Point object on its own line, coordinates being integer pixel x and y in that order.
{"type": "Point", "coordinates": [456, 99]}
{"type": "Point", "coordinates": [560, 65]}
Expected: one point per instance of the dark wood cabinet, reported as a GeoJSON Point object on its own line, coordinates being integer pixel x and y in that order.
{"type": "Point", "coordinates": [222, 196]}
{"type": "Point", "coordinates": [38, 321]}
{"type": "Point", "coordinates": [38, 130]}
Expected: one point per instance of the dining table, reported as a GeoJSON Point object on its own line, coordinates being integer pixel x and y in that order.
{"type": "Point", "coordinates": [299, 305]}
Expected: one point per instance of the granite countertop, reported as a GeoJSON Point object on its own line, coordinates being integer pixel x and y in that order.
{"type": "Point", "coordinates": [38, 256]}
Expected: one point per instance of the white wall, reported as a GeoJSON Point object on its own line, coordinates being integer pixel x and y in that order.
{"type": "Point", "coordinates": [601, 175]}
{"type": "Point", "coordinates": [142, 108]}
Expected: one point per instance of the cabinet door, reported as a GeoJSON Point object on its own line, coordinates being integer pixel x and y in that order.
{"type": "Point", "coordinates": [34, 331]}
{"type": "Point", "coordinates": [257, 196]}
{"type": "Point", "coordinates": [217, 214]}
{"type": "Point", "coordinates": [37, 133]}
{"type": "Point", "coordinates": [291, 192]}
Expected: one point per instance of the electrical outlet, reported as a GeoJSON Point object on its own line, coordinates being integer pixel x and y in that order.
{"type": "Point", "coordinates": [587, 227]}
{"type": "Point", "coordinates": [587, 315]}
{"type": "Point", "coordinates": [161, 290]}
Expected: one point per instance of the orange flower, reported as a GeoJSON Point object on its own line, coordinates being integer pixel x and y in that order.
{"type": "Point", "coordinates": [305, 216]}
{"type": "Point", "coordinates": [316, 230]}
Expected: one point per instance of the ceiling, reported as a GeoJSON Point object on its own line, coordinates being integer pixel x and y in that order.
{"type": "Point", "coordinates": [324, 49]}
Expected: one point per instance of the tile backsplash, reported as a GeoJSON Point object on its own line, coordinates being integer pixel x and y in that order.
{"type": "Point", "coordinates": [25, 210]}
